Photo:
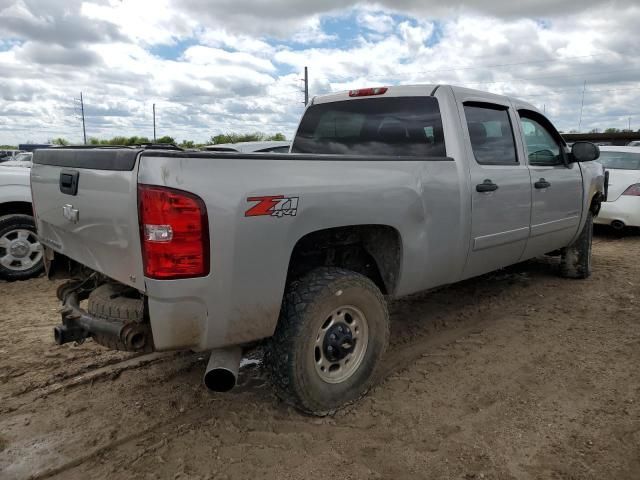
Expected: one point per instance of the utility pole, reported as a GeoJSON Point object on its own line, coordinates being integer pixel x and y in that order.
{"type": "Point", "coordinates": [154, 123]}
{"type": "Point", "coordinates": [84, 130]}
{"type": "Point", "coordinates": [584, 87]}
{"type": "Point", "coordinates": [306, 86]}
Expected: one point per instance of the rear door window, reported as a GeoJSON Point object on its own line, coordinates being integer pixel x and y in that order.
{"type": "Point", "coordinates": [491, 134]}
{"type": "Point", "coordinates": [403, 126]}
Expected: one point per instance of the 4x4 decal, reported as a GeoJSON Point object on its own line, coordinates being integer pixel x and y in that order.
{"type": "Point", "coordinates": [273, 206]}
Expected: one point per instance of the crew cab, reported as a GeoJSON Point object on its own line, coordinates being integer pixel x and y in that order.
{"type": "Point", "coordinates": [386, 191]}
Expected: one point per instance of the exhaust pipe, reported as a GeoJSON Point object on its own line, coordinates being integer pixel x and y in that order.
{"type": "Point", "coordinates": [222, 370]}
{"type": "Point", "coordinates": [618, 225]}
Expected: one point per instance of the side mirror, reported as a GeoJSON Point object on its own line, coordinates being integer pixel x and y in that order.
{"type": "Point", "coordinates": [584, 152]}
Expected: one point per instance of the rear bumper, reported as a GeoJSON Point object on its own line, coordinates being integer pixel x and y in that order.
{"type": "Point", "coordinates": [625, 209]}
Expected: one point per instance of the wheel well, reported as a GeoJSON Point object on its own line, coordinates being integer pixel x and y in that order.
{"type": "Point", "coordinates": [372, 250]}
{"type": "Point", "coordinates": [12, 208]}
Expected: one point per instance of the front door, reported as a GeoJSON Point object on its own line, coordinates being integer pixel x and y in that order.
{"type": "Point", "coordinates": [500, 188]}
{"type": "Point", "coordinates": [556, 186]}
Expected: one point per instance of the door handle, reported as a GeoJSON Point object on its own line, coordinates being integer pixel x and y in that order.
{"type": "Point", "coordinates": [486, 186]}
{"type": "Point", "coordinates": [542, 183]}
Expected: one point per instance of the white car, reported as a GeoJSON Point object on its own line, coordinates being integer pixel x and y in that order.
{"type": "Point", "coordinates": [21, 254]}
{"type": "Point", "coordinates": [622, 208]}
{"type": "Point", "coordinates": [20, 160]}
{"type": "Point", "coordinates": [634, 143]}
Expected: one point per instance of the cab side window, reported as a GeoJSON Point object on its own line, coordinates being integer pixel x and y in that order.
{"type": "Point", "coordinates": [491, 134]}
{"type": "Point", "coordinates": [542, 148]}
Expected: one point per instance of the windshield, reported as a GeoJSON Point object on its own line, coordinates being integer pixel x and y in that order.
{"type": "Point", "coordinates": [403, 126]}
{"type": "Point", "coordinates": [620, 160]}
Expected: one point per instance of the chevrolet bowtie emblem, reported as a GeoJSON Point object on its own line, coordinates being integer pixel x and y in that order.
{"type": "Point", "coordinates": [70, 213]}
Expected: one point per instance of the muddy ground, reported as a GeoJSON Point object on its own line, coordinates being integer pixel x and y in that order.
{"type": "Point", "coordinates": [518, 374]}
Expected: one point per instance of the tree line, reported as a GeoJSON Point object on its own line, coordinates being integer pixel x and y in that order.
{"type": "Point", "coordinates": [136, 140]}
{"type": "Point", "coordinates": [606, 130]}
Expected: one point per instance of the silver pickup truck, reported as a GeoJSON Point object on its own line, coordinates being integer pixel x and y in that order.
{"type": "Point", "coordinates": [385, 192]}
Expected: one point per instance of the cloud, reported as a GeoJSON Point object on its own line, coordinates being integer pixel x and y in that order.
{"type": "Point", "coordinates": [55, 23]}
{"type": "Point", "coordinates": [277, 18]}
{"type": "Point", "coordinates": [283, 18]}
{"type": "Point", "coordinates": [243, 43]}
{"type": "Point", "coordinates": [237, 66]}
{"type": "Point", "coordinates": [145, 22]}
{"type": "Point", "coordinates": [219, 58]}
{"type": "Point", "coordinates": [12, 91]}
{"type": "Point", "coordinates": [376, 21]}
{"type": "Point", "coordinates": [56, 55]}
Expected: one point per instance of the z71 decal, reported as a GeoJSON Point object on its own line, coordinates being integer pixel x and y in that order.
{"type": "Point", "coordinates": [273, 206]}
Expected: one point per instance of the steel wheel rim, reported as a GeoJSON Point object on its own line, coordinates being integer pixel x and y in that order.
{"type": "Point", "coordinates": [20, 250]}
{"type": "Point", "coordinates": [337, 371]}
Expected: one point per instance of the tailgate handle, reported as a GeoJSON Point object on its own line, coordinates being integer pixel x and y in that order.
{"type": "Point", "coordinates": [69, 182]}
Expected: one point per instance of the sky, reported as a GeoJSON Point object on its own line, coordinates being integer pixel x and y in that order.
{"type": "Point", "coordinates": [218, 66]}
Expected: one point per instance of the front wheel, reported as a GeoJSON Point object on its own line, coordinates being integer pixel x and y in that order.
{"type": "Point", "coordinates": [576, 258]}
{"type": "Point", "coordinates": [332, 333]}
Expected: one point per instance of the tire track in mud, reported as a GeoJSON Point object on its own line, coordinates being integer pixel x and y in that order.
{"type": "Point", "coordinates": [415, 336]}
{"type": "Point", "coordinates": [421, 325]}
{"type": "Point", "coordinates": [61, 378]}
{"type": "Point", "coordinates": [253, 380]}
{"type": "Point", "coordinates": [23, 398]}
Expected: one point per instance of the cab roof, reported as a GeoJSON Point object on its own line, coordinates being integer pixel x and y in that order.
{"type": "Point", "coordinates": [420, 90]}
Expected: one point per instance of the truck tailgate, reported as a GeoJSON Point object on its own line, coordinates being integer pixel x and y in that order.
{"type": "Point", "coordinates": [85, 202]}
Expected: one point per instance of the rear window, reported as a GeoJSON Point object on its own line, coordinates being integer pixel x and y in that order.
{"type": "Point", "coordinates": [405, 126]}
{"type": "Point", "coordinates": [620, 160]}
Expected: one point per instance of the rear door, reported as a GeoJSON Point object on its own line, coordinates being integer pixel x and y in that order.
{"type": "Point", "coordinates": [500, 187]}
{"type": "Point", "coordinates": [85, 201]}
{"type": "Point", "coordinates": [556, 186]}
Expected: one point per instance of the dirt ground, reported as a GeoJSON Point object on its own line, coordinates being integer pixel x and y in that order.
{"type": "Point", "coordinates": [515, 375]}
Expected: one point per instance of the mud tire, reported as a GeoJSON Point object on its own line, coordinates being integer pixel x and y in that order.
{"type": "Point", "coordinates": [289, 355]}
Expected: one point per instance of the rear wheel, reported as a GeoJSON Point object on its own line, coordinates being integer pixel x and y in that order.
{"type": "Point", "coordinates": [21, 254]}
{"type": "Point", "coordinates": [333, 331]}
{"type": "Point", "coordinates": [576, 258]}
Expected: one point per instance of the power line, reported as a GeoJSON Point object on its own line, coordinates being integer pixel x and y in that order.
{"type": "Point", "coordinates": [499, 65]}
{"type": "Point", "coordinates": [526, 79]}
{"type": "Point", "coordinates": [564, 91]}
{"type": "Point", "coordinates": [546, 77]}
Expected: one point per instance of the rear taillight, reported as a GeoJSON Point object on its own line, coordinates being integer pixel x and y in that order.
{"type": "Point", "coordinates": [174, 233]}
{"type": "Point", "coordinates": [365, 92]}
{"type": "Point", "coordinates": [633, 190]}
